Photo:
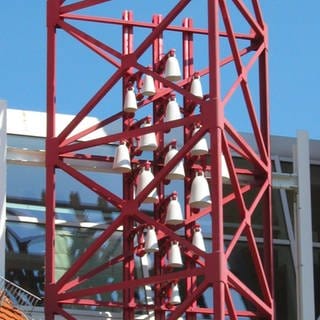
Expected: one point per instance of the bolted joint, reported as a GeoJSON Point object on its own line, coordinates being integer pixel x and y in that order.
{"type": "Point", "coordinates": [52, 156]}
{"type": "Point", "coordinates": [53, 13]}
{"type": "Point", "coordinates": [217, 262]}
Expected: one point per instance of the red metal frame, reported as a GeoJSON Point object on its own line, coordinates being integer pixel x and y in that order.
{"type": "Point", "coordinates": [212, 267]}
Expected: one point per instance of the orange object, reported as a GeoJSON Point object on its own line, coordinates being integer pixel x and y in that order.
{"type": "Point", "coordinates": [8, 311]}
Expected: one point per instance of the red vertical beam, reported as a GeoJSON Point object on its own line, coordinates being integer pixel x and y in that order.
{"type": "Point", "coordinates": [188, 69]}
{"type": "Point", "coordinates": [127, 47]}
{"type": "Point", "coordinates": [265, 129]}
{"type": "Point", "coordinates": [157, 54]}
{"type": "Point", "coordinates": [50, 301]}
{"type": "Point", "coordinates": [158, 108]}
{"type": "Point", "coordinates": [213, 111]}
{"type": "Point", "coordinates": [128, 264]}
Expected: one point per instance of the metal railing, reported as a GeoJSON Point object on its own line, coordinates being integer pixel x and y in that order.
{"type": "Point", "coordinates": [22, 299]}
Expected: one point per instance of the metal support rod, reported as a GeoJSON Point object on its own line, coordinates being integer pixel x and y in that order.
{"type": "Point", "coordinates": [3, 179]}
{"type": "Point", "coordinates": [52, 10]}
{"type": "Point", "coordinates": [214, 109]}
{"type": "Point", "coordinates": [265, 130]}
{"type": "Point", "coordinates": [128, 265]}
{"type": "Point", "coordinates": [303, 229]}
{"type": "Point", "coordinates": [188, 69]}
{"type": "Point", "coordinates": [157, 52]}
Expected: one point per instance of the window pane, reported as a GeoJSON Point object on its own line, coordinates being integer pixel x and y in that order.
{"type": "Point", "coordinates": [25, 256]}
{"type": "Point", "coordinates": [285, 289]}
{"type": "Point", "coordinates": [315, 201]}
{"type": "Point", "coordinates": [316, 261]}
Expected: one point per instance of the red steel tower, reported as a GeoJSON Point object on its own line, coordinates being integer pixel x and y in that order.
{"type": "Point", "coordinates": [176, 95]}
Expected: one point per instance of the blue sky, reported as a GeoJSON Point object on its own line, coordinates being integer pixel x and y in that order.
{"type": "Point", "coordinates": [294, 32]}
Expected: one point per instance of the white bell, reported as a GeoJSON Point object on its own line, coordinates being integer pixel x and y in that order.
{"type": "Point", "coordinates": [224, 169]}
{"type": "Point", "coordinates": [144, 178]}
{"type": "Point", "coordinates": [177, 173]}
{"type": "Point", "coordinates": [148, 88]}
{"type": "Point", "coordinates": [148, 142]}
{"type": "Point", "coordinates": [172, 110]}
{"type": "Point", "coordinates": [200, 193]}
{"type": "Point", "coordinates": [201, 147]}
{"type": "Point", "coordinates": [174, 213]}
{"type": "Point", "coordinates": [174, 298]}
{"type": "Point", "coordinates": [172, 69]}
{"type": "Point", "coordinates": [130, 101]}
{"type": "Point", "coordinates": [151, 241]}
{"type": "Point", "coordinates": [196, 87]}
{"type": "Point", "coordinates": [174, 255]}
{"type": "Point", "coordinates": [121, 162]}
{"type": "Point", "coordinates": [197, 239]}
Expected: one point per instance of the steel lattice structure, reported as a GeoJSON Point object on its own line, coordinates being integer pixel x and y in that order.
{"type": "Point", "coordinates": [228, 55]}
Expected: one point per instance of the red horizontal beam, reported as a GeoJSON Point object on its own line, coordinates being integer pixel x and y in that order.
{"type": "Point", "coordinates": [150, 25]}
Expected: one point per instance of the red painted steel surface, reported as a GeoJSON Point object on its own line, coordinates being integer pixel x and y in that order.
{"type": "Point", "coordinates": [248, 187]}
